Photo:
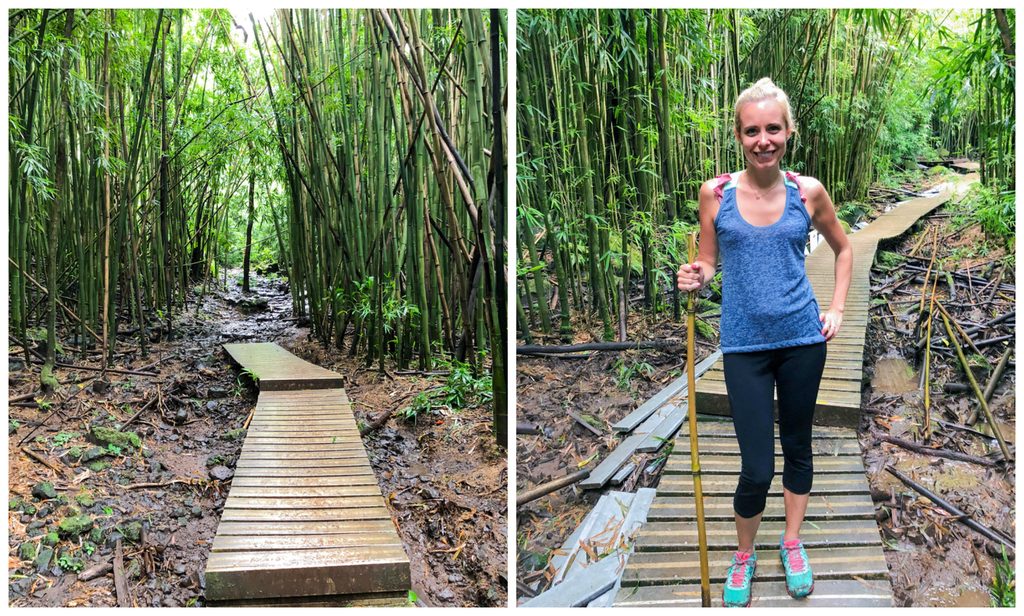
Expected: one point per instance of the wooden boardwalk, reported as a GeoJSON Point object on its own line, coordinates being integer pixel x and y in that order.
{"type": "Point", "coordinates": [840, 533]}
{"type": "Point", "coordinates": [304, 515]}
{"type": "Point", "coordinates": [839, 394]}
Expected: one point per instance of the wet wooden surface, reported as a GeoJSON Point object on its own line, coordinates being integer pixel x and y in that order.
{"type": "Point", "coordinates": [277, 369]}
{"type": "Point", "coordinates": [304, 517]}
{"type": "Point", "coordinates": [840, 533]}
{"type": "Point", "coordinates": [838, 402]}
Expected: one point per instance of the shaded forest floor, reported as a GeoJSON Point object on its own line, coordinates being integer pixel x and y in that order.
{"type": "Point", "coordinates": [85, 487]}
{"type": "Point", "coordinates": [933, 560]}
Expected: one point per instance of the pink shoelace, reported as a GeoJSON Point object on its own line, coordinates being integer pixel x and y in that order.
{"type": "Point", "coordinates": [739, 570]}
{"type": "Point", "coordinates": [796, 559]}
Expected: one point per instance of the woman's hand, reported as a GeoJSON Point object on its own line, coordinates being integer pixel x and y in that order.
{"type": "Point", "coordinates": [690, 276]}
{"type": "Point", "coordinates": [831, 321]}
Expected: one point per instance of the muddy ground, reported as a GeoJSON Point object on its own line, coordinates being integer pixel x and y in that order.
{"type": "Point", "coordinates": [934, 561]}
{"type": "Point", "coordinates": [161, 495]}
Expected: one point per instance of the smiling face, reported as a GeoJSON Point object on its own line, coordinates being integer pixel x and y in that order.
{"type": "Point", "coordinates": [762, 131]}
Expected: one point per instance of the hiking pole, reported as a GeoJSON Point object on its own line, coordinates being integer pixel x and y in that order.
{"type": "Point", "coordinates": [698, 493]}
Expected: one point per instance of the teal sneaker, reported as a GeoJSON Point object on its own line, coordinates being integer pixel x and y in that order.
{"type": "Point", "coordinates": [736, 592]}
{"type": "Point", "coordinates": [799, 579]}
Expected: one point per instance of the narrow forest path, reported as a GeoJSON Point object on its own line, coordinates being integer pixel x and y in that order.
{"type": "Point", "coordinates": [444, 481]}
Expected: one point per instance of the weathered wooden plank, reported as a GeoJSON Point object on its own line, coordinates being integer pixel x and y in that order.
{"type": "Point", "coordinates": [730, 465]}
{"type": "Point", "coordinates": [682, 485]}
{"type": "Point", "coordinates": [669, 426]}
{"type": "Point", "coordinates": [277, 369]}
{"type": "Point", "coordinates": [299, 473]}
{"type": "Point", "coordinates": [292, 491]}
{"type": "Point", "coordinates": [363, 477]}
{"type": "Point", "coordinates": [256, 543]}
{"type": "Point", "coordinates": [313, 515]}
{"type": "Point", "coordinates": [231, 575]}
{"type": "Point", "coordinates": [266, 528]}
{"type": "Point", "coordinates": [728, 445]}
{"type": "Point", "coordinates": [676, 389]}
{"type": "Point", "coordinates": [305, 503]}
{"type": "Point", "coordinates": [657, 568]}
{"type": "Point", "coordinates": [722, 535]}
{"type": "Point", "coordinates": [720, 508]}
{"type": "Point", "coordinates": [301, 466]}
{"type": "Point", "coordinates": [827, 593]}
{"type": "Point", "coordinates": [723, 427]}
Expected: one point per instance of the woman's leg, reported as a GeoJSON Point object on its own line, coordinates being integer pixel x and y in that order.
{"type": "Point", "coordinates": [797, 379]}
{"type": "Point", "coordinates": [749, 381]}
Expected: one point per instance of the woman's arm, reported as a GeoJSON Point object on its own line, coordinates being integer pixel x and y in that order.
{"type": "Point", "coordinates": [692, 276]}
{"type": "Point", "coordinates": [824, 220]}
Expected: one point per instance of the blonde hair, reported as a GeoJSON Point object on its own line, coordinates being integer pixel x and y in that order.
{"type": "Point", "coordinates": [765, 89]}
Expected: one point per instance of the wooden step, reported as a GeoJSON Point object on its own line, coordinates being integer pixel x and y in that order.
{"type": "Point", "coordinates": [662, 536]}
{"type": "Point", "coordinates": [827, 593]}
{"type": "Point", "coordinates": [720, 508]}
{"type": "Point", "coordinates": [682, 485]}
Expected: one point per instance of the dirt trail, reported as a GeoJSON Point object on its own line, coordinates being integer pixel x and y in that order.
{"type": "Point", "coordinates": [189, 436]}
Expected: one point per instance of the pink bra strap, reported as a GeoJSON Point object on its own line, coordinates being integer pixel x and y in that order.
{"type": "Point", "coordinates": [791, 176]}
{"type": "Point", "coordinates": [720, 182]}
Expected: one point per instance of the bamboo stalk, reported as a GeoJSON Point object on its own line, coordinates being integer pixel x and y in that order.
{"type": "Point", "coordinates": [702, 539]}
{"type": "Point", "coordinates": [977, 391]}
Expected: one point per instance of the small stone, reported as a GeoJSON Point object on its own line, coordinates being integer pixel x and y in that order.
{"type": "Point", "coordinates": [446, 594]}
{"type": "Point", "coordinates": [100, 386]}
{"type": "Point", "coordinates": [43, 558]}
{"type": "Point", "coordinates": [73, 455]}
{"type": "Point", "coordinates": [179, 569]}
{"type": "Point", "coordinates": [75, 525]}
{"type": "Point", "coordinates": [132, 531]}
{"type": "Point", "coordinates": [99, 466]}
{"type": "Point", "coordinates": [147, 452]}
{"type": "Point", "coordinates": [34, 528]}
{"type": "Point", "coordinates": [113, 538]}
{"type": "Point", "coordinates": [13, 503]}
{"type": "Point", "coordinates": [85, 499]}
{"type": "Point", "coordinates": [43, 512]}
{"type": "Point", "coordinates": [197, 512]}
{"type": "Point", "coordinates": [217, 392]}
{"type": "Point", "coordinates": [134, 569]}
{"type": "Point", "coordinates": [52, 539]}
{"type": "Point", "coordinates": [221, 473]}
{"type": "Point", "coordinates": [15, 364]}
{"type": "Point", "coordinates": [108, 436]}
{"type": "Point", "coordinates": [93, 453]}
{"type": "Point", "coordinates": [20, 587]}
{"type": "Point", "coordinates": [25, 519]}
{"type": "Point", "coordinates": [27, 551]}
{"type": "Point", "coordinates": [181, 416]}
{"type": "Point", "coordinates": [155, 466]}
{"type": "Point", "coordinates": [96, 535]}
{"type": "Point", "coordinates": [44, 491]}
{"type": "Point", "coordinates": [212, 405]}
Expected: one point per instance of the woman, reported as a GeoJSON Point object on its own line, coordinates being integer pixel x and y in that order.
{"type": "Point", "coordinates": [772, 333]}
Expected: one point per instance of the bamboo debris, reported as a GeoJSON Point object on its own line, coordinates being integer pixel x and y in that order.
{"type": "Point", "coordinates": [960, 515]}
{"type": "Point", "coordinates": [977, 391]}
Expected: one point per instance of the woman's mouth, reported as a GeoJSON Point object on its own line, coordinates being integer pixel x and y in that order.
{"type": "Point", "coordinates": [764, 156]}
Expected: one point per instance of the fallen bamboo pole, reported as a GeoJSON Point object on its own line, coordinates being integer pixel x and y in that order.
{"type": "Point", "coordinates": [961, 516]}
{"type": "Point", "coordinates": [939, 453]}
{"type": "Point", "coordinates": [977, 391]}
{"type": "Point", "coordinates": [549, 487]}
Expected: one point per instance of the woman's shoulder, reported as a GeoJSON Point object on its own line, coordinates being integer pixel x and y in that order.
{"type": "Point", "coordinates": [716, 185]}
{"type": "Point", "coordinates": [809, 186]}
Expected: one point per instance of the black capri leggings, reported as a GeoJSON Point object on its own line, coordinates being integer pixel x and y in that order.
{"type": "Point", "coordinates": [750, 378]}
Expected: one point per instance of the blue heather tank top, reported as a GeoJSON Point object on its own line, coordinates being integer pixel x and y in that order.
{"type": "Point", "coordinates": [767, 300]}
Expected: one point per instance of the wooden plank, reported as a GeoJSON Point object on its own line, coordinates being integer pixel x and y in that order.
{"type": "Point", "coordinates": [299, 473]}
{"type": "Point", "coordinates": [256, 543]}
{"type": "Point", "coordinates": [659, 536]}
{"type": "Point", "coordinates": [718, 445]}
{"type": "Point", "coordinates": [719, 427]}
{"type": "Point", "coordinates": [720, 508]}
{"type": "Point", "coordinates": [305, 491]}
{"type": "Point", "coordinates": [730, 465]}
{"type": "Point", "coordinates": [364, 477]}
{"type": "Point", "coordinates": [314, 515]}
{"type": "Point", "coordinates": [278, 369]}
{"type": "Point", "coordinates": [231, 575]}
{"type": "Point", "coordinates": [256, 463]}
{"type": "Point", "coordinates": [655, 568]}
{"type": "Point", "coordinates": [676, 389]}
{"type": "Point", "coordinates": [682, 485]}
{"type": "Point", "coordinates": [268, 528]}
{"type": "Point", "coordinates": [305, 503]}
{"type": "Point", "coordinates": [827, 593]}
{"type": "Point", "coordinates": [663, 433]}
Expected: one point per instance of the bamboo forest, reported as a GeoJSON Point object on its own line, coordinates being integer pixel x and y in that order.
{"type": "Point", "coordinates": [257, 264]}
{"type": "Point", "coordinates": [906, 117]}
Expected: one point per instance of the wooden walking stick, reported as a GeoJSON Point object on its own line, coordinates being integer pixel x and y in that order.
{"type": "Point", "coordinates": [698, 493]}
